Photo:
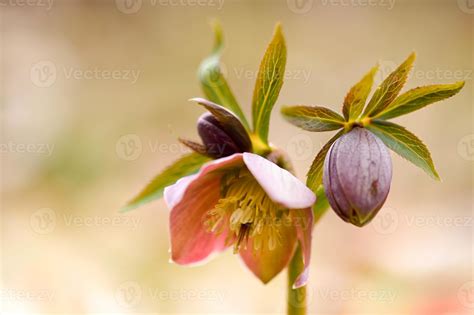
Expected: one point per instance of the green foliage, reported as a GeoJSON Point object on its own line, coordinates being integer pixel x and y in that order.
{"type": "Point", "coordinates": [418, 98]}
{"type": "Point", "coordinates": [268, 84]}
{"type": "Point", "coordinates": [315, 173]}
{"type": "Point", "coordinates": [186, 165]}
{"type": "Point", "coordinates": [384, 104]}
{"type": "Point", "coordinates": [389, 89]}
{"type": "Point", "coordinates": [313, 118]}
{"type": "Point", "coordinates": [213, 83]}
{"type": "Point", "coordinates": [405, 143]}
{"type": "Point", "coordinates": [355, 100]}
{"type": "Point", "coordinates": [321, 205]}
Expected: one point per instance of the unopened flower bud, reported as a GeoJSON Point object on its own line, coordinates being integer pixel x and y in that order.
{"type": "Point", "coordinates": [357, 176]}
{"type": "Point", "coordinates": [218, 141]}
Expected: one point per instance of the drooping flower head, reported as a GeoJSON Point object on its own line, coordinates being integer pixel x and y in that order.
{"type": "Point", "coordinates": [241, 200]}
{"type": "Point", "coordinates": [244, 201]}
{"type": "Point", "coordinates": [354, 168]}
{"type": "Point", "coordinates": [357, 175]}
{"type": "Point", "coordinates": [235, 189]}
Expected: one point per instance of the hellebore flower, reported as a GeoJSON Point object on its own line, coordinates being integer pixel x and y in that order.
{"type": "Point", "coordinates": [353, 169]}
{"type": "Point", "coordinates": [357, 175]}
{"type": "Point", "coordinates": [241, 200]}
{"type": "Point", "coordinates": [235, 189]}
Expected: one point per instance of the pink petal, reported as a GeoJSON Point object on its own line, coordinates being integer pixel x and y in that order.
{"type": "Point", "coordinates": [174, 194]}
{"type": "Point", "coordinates": [190, 199]}
{"type": "Point", "coordinates": [303, 219]}
{"type": "Point", "coordinates": [280, 185]}
{"type": "Point", "coordinates": [266, 263]}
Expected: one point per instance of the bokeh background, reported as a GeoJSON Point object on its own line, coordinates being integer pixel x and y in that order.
{"type": "Point", "coordinates": [94, 96]}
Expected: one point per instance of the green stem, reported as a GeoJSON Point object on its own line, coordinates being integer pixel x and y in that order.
{"type": "Point", "coordinates": [296, 300]}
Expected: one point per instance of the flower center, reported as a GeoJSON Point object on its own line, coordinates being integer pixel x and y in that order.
{"type": "Point", "coordinates": [248, 212]}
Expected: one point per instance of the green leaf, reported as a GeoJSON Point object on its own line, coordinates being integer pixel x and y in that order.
{"type": "Point", "coordinates": [213, 83]}
{"type": "Point", "coordinates": [315, 173]}
{"type": "Point", "coordinates": [418, 98]}
{"type": "Point", "coordinates": [405, 144]}
{"type": "Point", "coordinates": [389, 89]}
{"type": "Point", "coordinates": [355, 100]}
{"type": "Point", "coordinates": [313, 118]}
{"type": "Point", "coordinates": [321, 205]}
{"type": "Point", "coordinates": [268, 84]}
{"type": "Point", "coordinates": [186, 165]}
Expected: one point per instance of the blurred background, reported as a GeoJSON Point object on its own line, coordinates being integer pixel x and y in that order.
{"type": "Point", "coordinates": [94, 96]}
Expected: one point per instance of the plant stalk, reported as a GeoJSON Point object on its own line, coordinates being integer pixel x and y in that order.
{"type": "Point", "coordinates": [297, 299]}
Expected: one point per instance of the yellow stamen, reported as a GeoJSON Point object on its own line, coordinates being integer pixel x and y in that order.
{"type": "Point", "coordinates": [249, 213]}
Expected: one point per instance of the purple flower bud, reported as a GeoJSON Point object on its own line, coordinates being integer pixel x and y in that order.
{"type": "Point", "coordinates": [357, 176]}
{"type": "Point", "coordinates": [218, 141]}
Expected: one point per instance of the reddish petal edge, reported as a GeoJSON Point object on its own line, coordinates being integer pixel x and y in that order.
{"type": "Point", "coordinates": [304, 230]}
{"type": "Point", "coordinates": [174, 193]}
{"type": "Point", "coordinates": [279, 184]}
{"type": "Point", "coordinates": [191, 198]}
